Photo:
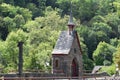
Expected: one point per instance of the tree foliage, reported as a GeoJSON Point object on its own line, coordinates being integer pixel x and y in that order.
{"type": "Point", "coordinates": [9, 49]}
{"type": "Point", "coordinates": [38, 23]}
{"type": "Point", "coordinates": [103, 52]}
{"type": "Point", "coordinates": [116, 57]}
{"type": "Point", "coordinates": [109, 69]}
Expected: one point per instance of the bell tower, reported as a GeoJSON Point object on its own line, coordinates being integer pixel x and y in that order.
{"type": "Point", "coordinates": [71, 24]}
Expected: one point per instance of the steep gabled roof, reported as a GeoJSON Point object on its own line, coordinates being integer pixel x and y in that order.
{"type": "Point", "coordinates": [64, 43]}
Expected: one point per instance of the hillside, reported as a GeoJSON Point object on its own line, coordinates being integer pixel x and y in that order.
{"type": "Point", "coordinates": [38, 23]}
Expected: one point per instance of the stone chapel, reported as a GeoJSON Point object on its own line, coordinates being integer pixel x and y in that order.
{"type": "Point", "coordinates": [67, 54]}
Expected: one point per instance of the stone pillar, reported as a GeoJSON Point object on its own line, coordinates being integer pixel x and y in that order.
{"type": "Point", "coordinates": [20, 58]}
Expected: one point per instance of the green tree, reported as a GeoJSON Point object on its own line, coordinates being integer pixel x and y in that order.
{"type": "Point", "coordinates": [113, 21]}
{"type": "Point", "coordinates": [2, 53]}
{"type": "Point", "coordinates": [102, 36]}
{"type": "Point", "coordinates": [9, 2]}
{"type": "Point", "coordinates": [97, 19]}
{"type": "Point", "coordinates": [99, 26]}
{"type": "Point", "coordinates": [8, 10]}
{"type": "Point", "coordinates": [25, 13]}
{"type": "Point", "coordinates": [116, 5]}
{"type": "Point", "coordinates": [42, 42]}
{"type": "Point", "coordinates": [1, 29]}
{"type": "Point", "coordinates": [12, 18]}
{"type": "Point", "coordinates": [83, 10]}
{"type": "Point", "coordinates": [10, 50]}
{"type": "Point", "coordinates": [115, 42]}
{"type": "Point", "coordinates": [86, 10]}
{"type": "Point", "coordinates": [88, 63]}
{"type": "Point", "coordinates": [19, 21]}
{"type": "Point", "coordinates": [35, 10]}
{"type": "Point", "coordinates": [41, 5]}
{"type": "Point", "coordinates": [8, 23]}
{"type": "Point", "coordinates": [43, 33]}
{"type": "Point", "coordinates": [52, 19]}
{"type": "Point", "coordinates": [89, 37]}
{"type": "Point", "coordinates": [102, 31]}
{"type": "Point", "coordinates": [109, 69]}
{"type": "Point", "coordinates": [103, 52]}
{"type": "Point", "coordinates": [104, 7]}
{"type": "Point", "coordinates": [19, 3]}
{"type": "Point", "coordinates": [52, 3]}
{"type": "Point", "coordinates": [7, 26]}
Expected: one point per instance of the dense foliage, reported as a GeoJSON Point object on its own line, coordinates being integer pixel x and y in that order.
{"type": "Point", "coordinates": [38, 23]}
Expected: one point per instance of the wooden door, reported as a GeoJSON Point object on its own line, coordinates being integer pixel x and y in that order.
{"type": "Point", "coordinates": [75, 70]}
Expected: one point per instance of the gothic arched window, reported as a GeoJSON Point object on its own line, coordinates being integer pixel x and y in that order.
{"type": "Point", "coordinates": [56, 63]}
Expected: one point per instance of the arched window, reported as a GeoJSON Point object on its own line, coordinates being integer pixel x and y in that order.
{"type": "Point", "coordinates": [56, 63]}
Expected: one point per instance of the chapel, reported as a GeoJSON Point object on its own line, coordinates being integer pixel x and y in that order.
{"type": "Point", "coordinates": [67, 54]}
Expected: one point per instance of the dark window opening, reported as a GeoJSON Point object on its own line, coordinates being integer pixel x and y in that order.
{"type": "Point", "coordinates": [56, 63]}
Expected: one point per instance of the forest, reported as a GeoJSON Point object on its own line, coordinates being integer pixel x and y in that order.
{"type": "Point", "coordinates": [38, 23]}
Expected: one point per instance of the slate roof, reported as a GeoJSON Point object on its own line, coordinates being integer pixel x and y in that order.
{"type": "Point", "coordinates": [64, 43]}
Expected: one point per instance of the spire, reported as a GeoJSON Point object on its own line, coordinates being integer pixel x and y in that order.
{"type": "Point", "coordinates": [71, 24]}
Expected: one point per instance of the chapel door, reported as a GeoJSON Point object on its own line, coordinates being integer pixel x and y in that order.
{"type": "Point", "coordinates": [75, 70]}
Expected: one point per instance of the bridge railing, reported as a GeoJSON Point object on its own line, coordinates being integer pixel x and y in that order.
{"type": "Point", "coordinates": [59, 78]}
